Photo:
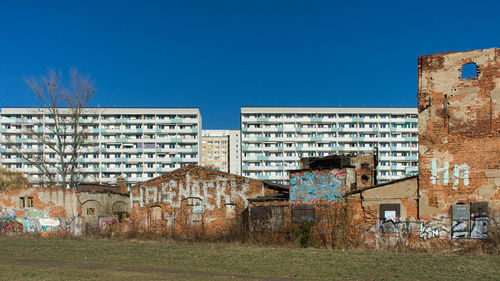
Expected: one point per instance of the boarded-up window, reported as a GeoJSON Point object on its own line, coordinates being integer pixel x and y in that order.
{"type": "Point", "coordinates": [155, 213]}
{"type": "Point", "coordinates": [260, 213]}
{"type": "Point", "coordinates": [460, 214]}
{"type": "Point", "coordinates": [390, 212]}
{"type": "Point", "coordinates": [479, 220]}
{"type": "Point", "coordinates": [389, 216]}
{"type": "Point", "coordinates": [267, 218]}
{"type": "Point", "coordinates": [303, 212]}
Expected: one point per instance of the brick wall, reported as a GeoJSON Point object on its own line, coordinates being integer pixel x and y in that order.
{"type": "Point", "coordinates": [459, 131]}
{"type": "Point", "coordinates": [192, 200]}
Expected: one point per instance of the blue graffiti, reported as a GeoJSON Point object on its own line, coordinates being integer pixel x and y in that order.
{"type": "Point", "coordinates": [311, 187]}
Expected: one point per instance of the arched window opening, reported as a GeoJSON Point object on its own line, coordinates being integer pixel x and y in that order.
{"type": "Point", "coordinates": [469, 71]}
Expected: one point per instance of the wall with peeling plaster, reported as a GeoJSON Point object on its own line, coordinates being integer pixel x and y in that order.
{"type": "Point", "coordinates": [51, 210]}
{"type": "Point", "coordinates": [459, 131]}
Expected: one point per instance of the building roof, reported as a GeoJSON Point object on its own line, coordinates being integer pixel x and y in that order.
{"type": "Point", "coordinates": [379, 185]}
{"type": "Point", "coordinates": [100, 188]}
{"type": "Point", "coordinates": [190, 167]}
{"type": "Point", "coordinates": [273, 197]}
{"type": "Point", "coordinates": [276, 186]}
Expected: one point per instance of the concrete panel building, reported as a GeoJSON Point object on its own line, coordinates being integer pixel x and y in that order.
{"type": "Point", "coordinates": [133, 143]}
{"type": "Point", "coordinates": [273, 139]}
{"type": "Point", "coordinates": [221, 150]}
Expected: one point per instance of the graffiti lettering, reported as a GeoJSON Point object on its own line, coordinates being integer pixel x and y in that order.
{"type": "Point", "coordinates": [309, 187]}
{"type": "Point", "coordinates": [198, 194]}
{"type": "Point", "coordinates": [459, 172]}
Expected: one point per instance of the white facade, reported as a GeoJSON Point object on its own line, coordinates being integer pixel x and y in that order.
{"type": "Point", "coordinates": [275, 138]}
{"type": "Point", "coordinates": [134, 143]}
{"type": "Point", "coordinates": [230, 154]}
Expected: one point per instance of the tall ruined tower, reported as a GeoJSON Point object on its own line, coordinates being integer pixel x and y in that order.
{"type": "Point", "coordinates": [459, 134]}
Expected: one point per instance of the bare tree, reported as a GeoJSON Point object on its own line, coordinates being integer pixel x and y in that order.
{"type": "Point", "coordinates": [12, 179]}
{"type": "Point", "coordinates": [60, 133]}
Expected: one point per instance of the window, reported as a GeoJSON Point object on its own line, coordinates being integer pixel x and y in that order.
{"type": "Point", "coordinates": [25, 202]}
{"type": "Point", "coordinates": [90, 211]}
{"type": "Point", "coordinates": [389, 213]}
{"type": "Point", "coordinates": [469, 71]}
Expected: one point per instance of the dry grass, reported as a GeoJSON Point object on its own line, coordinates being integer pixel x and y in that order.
{"type": "Point", "coordinates": [103, 259]}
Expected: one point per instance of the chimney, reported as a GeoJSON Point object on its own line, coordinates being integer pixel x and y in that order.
{"type": "Point", "coordinates": [122, 187]}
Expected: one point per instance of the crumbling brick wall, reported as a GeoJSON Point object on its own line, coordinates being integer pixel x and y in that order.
{"type": "Point", "coordinates": [192, 200]}
{"type": "Point", "coordinates": [459, 132]}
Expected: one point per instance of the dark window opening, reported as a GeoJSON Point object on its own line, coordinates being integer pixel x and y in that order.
{"type": "Point", "coordinates": [364, 179]}
{"type": "Point", "coordinates": [303, 212]}
{"type": "Point", "coordinates": [469, 71]}
{"type": "Point", "coordinates": [389, 215]}
{"type": "Point", "coordinates": [22, 203]}
{"type": "Point", "coordinates": [390, 212]}
{"type": "Point", "coordinates": [29, 202]}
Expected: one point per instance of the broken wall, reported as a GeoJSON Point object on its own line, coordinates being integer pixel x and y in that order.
{"type": "Point", "coordinates": [459, 137]}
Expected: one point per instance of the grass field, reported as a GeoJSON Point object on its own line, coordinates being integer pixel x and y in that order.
{"type": "Point", "coordinates": [23, 258]}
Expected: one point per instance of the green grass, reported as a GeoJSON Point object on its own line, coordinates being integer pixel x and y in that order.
{"type": "Point", "coordinates": [24, 258]}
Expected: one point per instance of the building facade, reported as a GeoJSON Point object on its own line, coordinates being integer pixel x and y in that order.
{"type": "Point", "coordinates": [459, 117]}
{"type": "Point", "coordinates": [221, 149]}
{"type": "Point", "coordinates": [194, 200]}
{"type": "Point", "coordinates": [273, 139]}
{"type": "Point", "coordinates": [131, 143]}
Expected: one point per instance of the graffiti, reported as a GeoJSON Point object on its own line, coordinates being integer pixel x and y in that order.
{"type": "Point", "coordinates": [73, 225]}
{"type": "Point", "coordinates": [33, 214]}
{"type": "Point", "coordinates": [170, 218]}
{"type": "Point", "coordinates": [424, 229]}
{"type": "Point", "coordinates": [459, 172]}
{"type": "Point", "coordinates": [433, 229]}
{"type": "Point", "coordinates": [198, 194]}
{"type": "Point", "coordinates": [310, 187]}
{"type": "Point", "coordinates": [36, 221]}
{"type": "Point", "coordinates": [400, 227]}
{"type": "Point", "coordinates": [479, 227]}
{"type": "Point", "coordinates": [11, 225]}
{"type": "Point", "coordinates": [106, 224]}
{"type": "Point", "coordinates": [459, 229]}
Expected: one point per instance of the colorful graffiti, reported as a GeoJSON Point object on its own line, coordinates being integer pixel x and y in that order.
{"type": "Point", "coordinates": [310, 187]}
{"type": "Point", "coordinates": [11, 225]}
{"type": "Point", "coordinates": [106, 223]}
{"type": "Point", "coordinates": [37, 221]}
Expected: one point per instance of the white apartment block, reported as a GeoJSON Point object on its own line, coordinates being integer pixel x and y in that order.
{"type": "Point", "coordinates": [221, 149]}
{"type": "Point", "coordinates": [275, 138]}
{"type": "Point", "coordinates": [134, 143]}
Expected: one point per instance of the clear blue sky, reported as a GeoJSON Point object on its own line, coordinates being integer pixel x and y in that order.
{"type": "Point", "coordinates": [220, 55]}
